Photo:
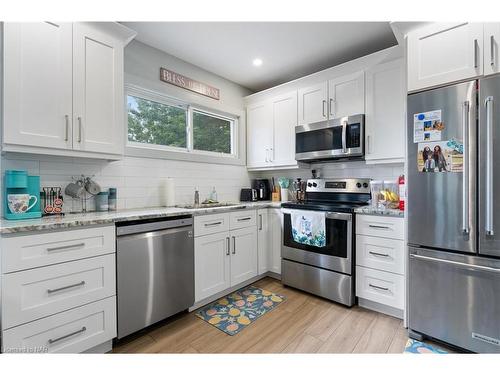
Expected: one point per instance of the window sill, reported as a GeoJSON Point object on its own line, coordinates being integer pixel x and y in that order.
{"type": "Point", "coordinates": [144, 152]}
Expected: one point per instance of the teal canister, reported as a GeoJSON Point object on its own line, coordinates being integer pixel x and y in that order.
{"type": "Point", "coordinates": [101, 201]}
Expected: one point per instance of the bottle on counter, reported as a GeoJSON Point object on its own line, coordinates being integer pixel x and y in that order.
{"type": "Point", "coordinates": [112, 199]}
{"type": "Point", "coordinates": [213, 195]}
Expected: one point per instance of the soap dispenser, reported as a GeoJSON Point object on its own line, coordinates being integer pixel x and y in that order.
{"type": "Point", "coordinates": [213, 195]}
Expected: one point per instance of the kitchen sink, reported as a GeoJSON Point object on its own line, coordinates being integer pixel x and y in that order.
{"type": "Point", "coordinates": [206, 205]}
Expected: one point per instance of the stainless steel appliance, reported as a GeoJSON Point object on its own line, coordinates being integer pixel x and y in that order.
{"type": "Point", "coordinates": [334, 139]}
{"type": "Point", "coordinates": [453, 235]}
{"type": "Point", "coordinates": [263, 188]}
{"type": "Point", "coordinates": [155, 271]}
{"type": "Point", "coordinates": [325, 271]}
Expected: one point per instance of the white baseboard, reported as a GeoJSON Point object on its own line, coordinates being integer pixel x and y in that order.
{"type": "Point", "coordinates": [105, 347]}
{"type": "Point", "coordinates": [384, 309]}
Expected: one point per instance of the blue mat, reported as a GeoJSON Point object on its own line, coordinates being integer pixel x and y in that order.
{"type": "Point", "coordinates": [419, 347]}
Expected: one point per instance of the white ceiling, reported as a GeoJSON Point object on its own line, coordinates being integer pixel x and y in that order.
{"type": "Point", "coordinates": [289, 50]}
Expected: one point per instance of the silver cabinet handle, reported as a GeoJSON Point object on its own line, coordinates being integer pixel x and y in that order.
{"type": "Point", "coordinates": [378, 254]}
{"type": "Point", "coordinates": [244, 219]}
{"type": "Point", "coordinates": [79, 129]}
{"type": "Point", "coordinates": [260, 222]}
{"type": "Point", "coordinates": [324, 105]}
{"type": "Point", "coordinates": [378, 226]}
{"type": "Point", "coordinates": [454, 263]}
{"type": "Point", "coordinates": [465, 182]}
{"type": "Point", "coordinates": [66, 247]}
{"type": "Point", "coordinates": [234, 245]}
{"type": "Point", "coordinates": [213, 224]}
{"type": "Point", "coordinates": [492, 50]}
{"type": "Point", "coordinates": [488, 103]}
{"type": "Point", "coordinates": [332, 102]}
{"type": "Point", "coordinates": [81, 283]}
{"type": "Point", "coordinates": [228, 245]}
{"type": "Point", "coordinates": [267, 155]}
{"type": "Point", "coordinates": [378, 287]}
{"type": "Point", "coordinates": [271, 155]}
{"type": "Point", "coordinates": [66, 134]}
{"type": "Point", "coordinates": [476, 46]}
{"type": "Point", "coordinates": [344, 137]}
{"type": "Point", "coordinates": [81, 330]}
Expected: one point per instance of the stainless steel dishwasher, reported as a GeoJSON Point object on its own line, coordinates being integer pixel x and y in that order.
{"type": "Point", "coordinates": [155, 271]}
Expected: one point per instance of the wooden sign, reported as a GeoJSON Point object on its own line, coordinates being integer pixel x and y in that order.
{"type": "Point", "coordinates": [189, 84]}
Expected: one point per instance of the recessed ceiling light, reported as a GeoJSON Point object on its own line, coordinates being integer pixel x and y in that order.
{"type": "Point", "coordinates": [257, 62]}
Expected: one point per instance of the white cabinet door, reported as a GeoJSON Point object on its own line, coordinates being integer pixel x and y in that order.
{"type": "Point", "coordinates": [97, 90]}
{"type": "Point", "coordinates": [313, 103]}
{"type": "Point", "coordinates": [491, 46]}
{"type": "Point", "coordinates": [285, 121]}
{"type": "Point", "coordinates": [263, 241]}
{"type": "Point", "coordinates": [346, 95]}
{"type": "Point", "coordinates": [385, 112]}
{"type": "Point", "coordinates": [243, 255]}
{"type": "Point", "coordinates": [212, 264]}
{"type": "Point", "coordinates": [275, 237]}
{"type": "Point", "coordinates": [37, 84]}
{"type": "Point", "coordinates": [259, 134]}
{"type": "Point", "coordinates": [442, 53]}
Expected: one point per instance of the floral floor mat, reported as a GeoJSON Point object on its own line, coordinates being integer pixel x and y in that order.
{"type": "Point", "coordinates": [237, 310]}
{"type": "Point", "coordinates": [419, 347]}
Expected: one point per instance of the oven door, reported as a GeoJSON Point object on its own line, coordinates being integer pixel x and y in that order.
{"type": "Point", "coordinates": [343, 137]}
{"type": "Point", "coordinates": [336, 255]}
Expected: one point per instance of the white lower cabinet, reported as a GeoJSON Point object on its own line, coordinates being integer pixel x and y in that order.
{"type": "Point", "coordinates": [72, 331]}
{"type": "Point", "coordinates": [211, 264]}
{"type": "Point", "coordinates": [275, 238]}
{"type": "Point", "coordinates": [243, 254]}
{"type": "Point", "coordinates": [58, 290]}
{"type": "Point", "coordinates": [263, 245]}
{"type": "Point", "coordinates": [380, 265]}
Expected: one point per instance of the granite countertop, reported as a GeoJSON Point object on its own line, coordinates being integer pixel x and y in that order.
{"type": "Point", "coordinates": [99, 218]}
{"type": "Point", "coordinates": [369, 210]}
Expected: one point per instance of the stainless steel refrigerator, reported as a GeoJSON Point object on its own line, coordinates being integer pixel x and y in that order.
{"type": "Point", "coordinates": [454, 214]}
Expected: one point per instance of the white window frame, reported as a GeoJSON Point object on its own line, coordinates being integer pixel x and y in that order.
{"type": "Point", "coordinates": [140, 149]}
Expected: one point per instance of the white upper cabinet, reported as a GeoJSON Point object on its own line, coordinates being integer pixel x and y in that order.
{"type": "Point", "coordinates": [271, 133]}
{"type": "Point", "coordinates": [385, 113]}
{"type": "Point", "coordinates": [97, 90]}
{"type": "Point", "coordinates": [63, 88]}
{"type": "Point", "coordinates": [285, 121]}
{"type": "Point", "coordinates": [346, 95]}
{"type": "Point", "coordinates": [259, 134]}
{"type": "Point", "coordinates": [37, 84]}
{"type": "Point", "coordinates": [491, 48]}
{"type": "Point", "coordinates": [313, 103]}
{"type": "Point", "coordinates": [442, 53]}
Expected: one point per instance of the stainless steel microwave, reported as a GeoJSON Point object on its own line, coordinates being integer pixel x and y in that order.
{"type": "Point", "coordinates": [334, 139]}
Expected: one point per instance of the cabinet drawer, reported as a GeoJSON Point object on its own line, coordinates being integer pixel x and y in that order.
{"type": "Point", "coordinates": [209, 224]}
{"type": "Point", "coordinates": [380, 226]}
{"type": "Point", "coordinates": [379, 286]}
{"type": "Point", "coordinates": [243, 219]}
{"type": "Point", "coordinates": [34, 294]}
{"type": "Point", "coordinates": [36, 250]}
{"type": "Point", "coordinates": [72, 331]}
{"type": "Point", "coordinates": [380, 253]}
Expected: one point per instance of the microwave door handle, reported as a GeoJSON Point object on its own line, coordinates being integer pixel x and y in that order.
{"type": "Point", "coordinates": [488, 103]}
{"type": "Point", "coordinates": [465, 179]}
{"type": "Point", "coordinates": [344, 137]}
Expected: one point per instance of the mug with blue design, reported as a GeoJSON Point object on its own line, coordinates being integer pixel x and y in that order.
{"type": "Point", "coordinates": [20, 203]}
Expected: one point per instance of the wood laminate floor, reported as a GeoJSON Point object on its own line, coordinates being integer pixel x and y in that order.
{"type": "Point", "coordinates": [301, 324]}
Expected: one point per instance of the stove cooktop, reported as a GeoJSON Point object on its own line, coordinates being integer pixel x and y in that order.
{"type": "Point", "coordinates": [323, 206]}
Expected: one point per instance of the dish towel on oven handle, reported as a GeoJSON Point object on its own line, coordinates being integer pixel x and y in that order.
{"type": "Point", "coordinates": [308, 227]}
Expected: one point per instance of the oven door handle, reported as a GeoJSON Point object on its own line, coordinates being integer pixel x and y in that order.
{"type": "Point", "coordinates": [339, 216]}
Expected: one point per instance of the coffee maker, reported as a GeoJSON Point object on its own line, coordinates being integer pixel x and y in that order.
{"type": "Point", "coordinates": [263, 188]}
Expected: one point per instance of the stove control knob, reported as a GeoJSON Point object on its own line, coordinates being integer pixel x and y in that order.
{"type": "Point", "coordinates": [358, 185]}
{"type": "Point", "coordinates": [315, 184]}
{"type": "Point", "coordinates": [309, 184]}
{"type": "Point", "coordinates": [365, 185]}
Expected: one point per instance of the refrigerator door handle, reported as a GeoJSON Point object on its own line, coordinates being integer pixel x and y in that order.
{"type": "Point", "coordinates": [465, 179]}
{"type": "Point", "coordinates": [488, 103]}
{"type": "Point", "coordinates": [455, 263]}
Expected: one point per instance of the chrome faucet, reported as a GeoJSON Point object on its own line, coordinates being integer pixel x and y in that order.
{"type": "Point", "coordinates": [196, 197]}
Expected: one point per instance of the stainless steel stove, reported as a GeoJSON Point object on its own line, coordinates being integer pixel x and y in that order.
{"type": "Point", "coordinates": [327, 271]}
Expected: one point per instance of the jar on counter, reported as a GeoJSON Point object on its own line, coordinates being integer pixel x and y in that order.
{"type": "Point", "coordinates": [101, 201]}
{"type": "Point", "coordinates": [112, 199]}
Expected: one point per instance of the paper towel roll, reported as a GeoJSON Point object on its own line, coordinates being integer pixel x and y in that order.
{"type": "Point", "coordinates": [169, 192]}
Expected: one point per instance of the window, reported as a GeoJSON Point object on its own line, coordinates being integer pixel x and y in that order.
{"type": "Point", "coordinates": [156, 123]}
{"type": "Point", "coordinates": [159, 123]}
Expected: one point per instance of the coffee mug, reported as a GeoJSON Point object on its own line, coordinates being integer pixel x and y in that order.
{"type": "Point", "coordinates": [20, 203]}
